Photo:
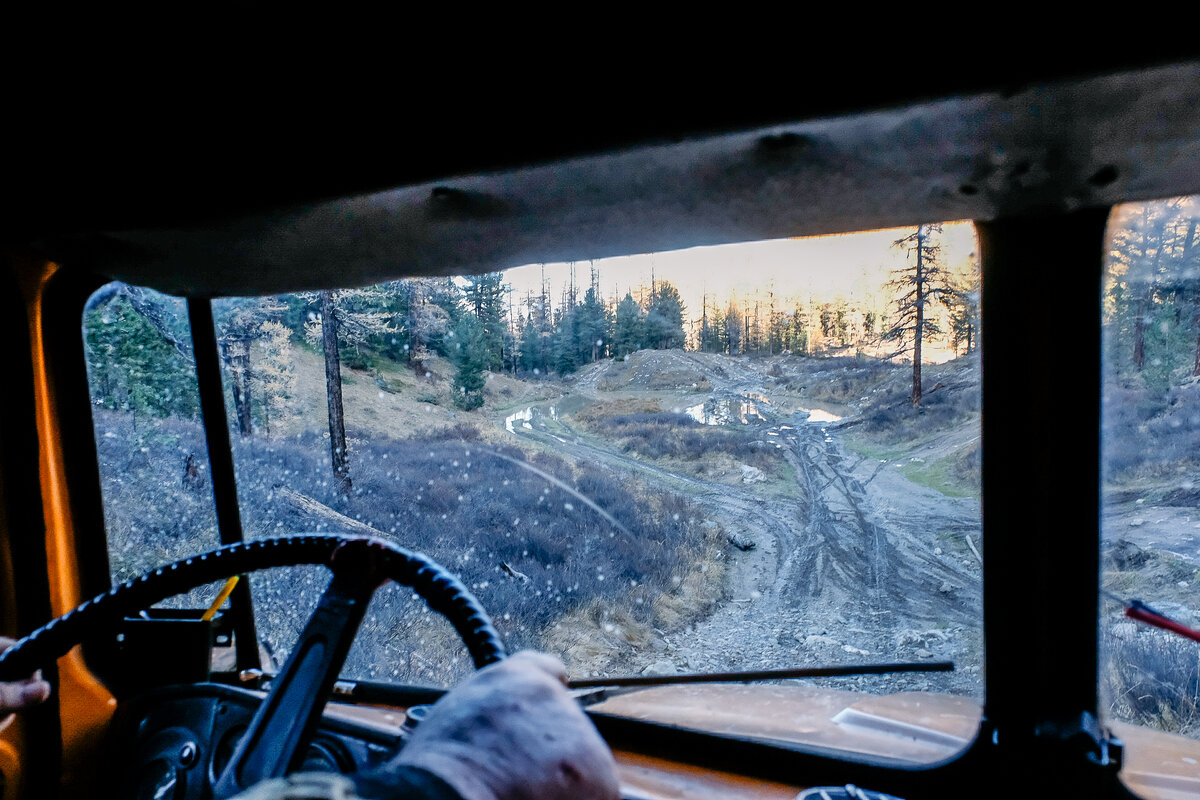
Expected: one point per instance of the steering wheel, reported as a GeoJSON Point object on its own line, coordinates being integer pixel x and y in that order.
{"type": "Point", "coordinates": [283, 726]}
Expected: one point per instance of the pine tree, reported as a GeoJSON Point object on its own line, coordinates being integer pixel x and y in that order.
{"type": "Point", "coordinates": [136, 360]}
{"type": "Point", "coordinates": [628, 327]}
{"type": "Point", "coordinates": [470, 356]}
{"type": "Point", "coordinates": [720, 335]}
{"type": "Point", "coordinates": [354, 317]}
{"type": "Point", "coordinates": [776, 331]}
{"type": "Point", "coordinates": [484, 296]}
{"type": "Point", "coordinates": [531, 348]}
{"type": "Point", "coordinates": [276, 377]}
{"type": "Point", "coordinates": [593, 332]}
{"type": "Point", "coordinates": [964, 313]}
{"type": "Point", "coordinates": [564, 341]}
{"type": "Point", "coordinates": [664, 317]}
{"type": "Point", "coordinates": [238, 322]}
{"type": "Point", "coordinates": [734, 329]}
{"type": "Point", "coordinates": [1152, 301]}
{"type": "Point", "coordinates": [707, 340]}
{"type": "Point", "coordinates": [798, 331]}
{"type": "Point", "coordinates": [426, 322]}
{"type": "Point", "coordinates": [339, 453]}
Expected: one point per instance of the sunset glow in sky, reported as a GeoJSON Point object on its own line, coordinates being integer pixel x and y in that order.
{"type": "Point", "coordinates": [853, 266]}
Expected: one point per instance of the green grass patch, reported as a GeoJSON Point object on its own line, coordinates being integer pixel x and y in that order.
{"type": "Point", "coordinates": [866, 448]}
{"type": "Point", "coordinates": [781, 482]}
{"type": "Point", "coordinates": [941, 476]}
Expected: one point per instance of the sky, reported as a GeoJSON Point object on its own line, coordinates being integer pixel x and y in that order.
{"type": "Point", "coordinates": [853, 266]}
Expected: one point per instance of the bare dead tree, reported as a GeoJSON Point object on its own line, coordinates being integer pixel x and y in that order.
{"type": "Point", "coordinates": [919, 283]}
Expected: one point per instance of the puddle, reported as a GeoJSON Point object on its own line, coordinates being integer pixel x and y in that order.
{"type": "Point", "coordinates": [818, 415]}
{"type": "Point", "coordinates": [526, 418]}
{"type": "Point", "coordinates": [725, 412]}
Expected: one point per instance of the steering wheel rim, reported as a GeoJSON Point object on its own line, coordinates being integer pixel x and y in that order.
{"type": "Point", "coordinates": [359, 565]}
{"type": "Point", "coordinates": [441, 591]}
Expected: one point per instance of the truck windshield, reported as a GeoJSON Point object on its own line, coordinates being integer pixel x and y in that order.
{"type": "Point", "coordinates": [748, 457]}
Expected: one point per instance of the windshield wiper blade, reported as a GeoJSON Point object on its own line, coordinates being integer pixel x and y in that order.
{"type": "Point", "coordinates": [751, 676]}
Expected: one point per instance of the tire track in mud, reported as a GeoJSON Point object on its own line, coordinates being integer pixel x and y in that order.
{"type": "Point", "coordinates": [853, 558]}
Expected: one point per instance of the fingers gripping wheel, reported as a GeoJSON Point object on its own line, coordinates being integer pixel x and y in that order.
{"type": "Point", "coordinates": [289, 715]}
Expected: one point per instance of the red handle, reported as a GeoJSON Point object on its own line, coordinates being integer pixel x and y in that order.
{"type": "Point", "coordinates": [1143, 613]}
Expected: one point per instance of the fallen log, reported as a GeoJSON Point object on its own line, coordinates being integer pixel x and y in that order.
{"type": "Point", "coordinates": [316, 508]}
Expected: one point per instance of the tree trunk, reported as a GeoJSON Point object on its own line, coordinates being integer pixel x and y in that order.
{"type": "Point", "coordinates": [1185, 258]}
{"type": "Point", "coordinates": [1139, 335]}
{"type": "Point", "coordinates": [1196, 363]}
{"type": "Point", "coordinates": [237, 357]}
{"type": "Point", "coordinates": [333, 391]}
{"type": "Point", "coordinates": [919, 333]}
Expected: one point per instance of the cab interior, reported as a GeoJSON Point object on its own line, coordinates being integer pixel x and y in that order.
{"type": "Point", "coordinates": [254, 196]}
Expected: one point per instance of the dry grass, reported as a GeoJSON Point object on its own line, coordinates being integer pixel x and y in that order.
{"type": "Point", "coordinates": [393, 400]}
{"type": "Point", "coordinates": [597, 637]}
{"type": "Point", "coordinates": [612, 408]}
{"type": "Point", "coordinates": [1152, 678]}
{"type": "Point", "coordinates": [680, 440]}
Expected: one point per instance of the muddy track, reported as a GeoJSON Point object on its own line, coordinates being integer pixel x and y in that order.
{"type": "Point", "coordinates": [852, 551]}
{"type": "Point", "coordinates": [842, 570]}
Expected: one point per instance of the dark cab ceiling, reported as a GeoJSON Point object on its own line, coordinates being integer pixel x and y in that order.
{"type": "Point", "coordinates": [212, 192]}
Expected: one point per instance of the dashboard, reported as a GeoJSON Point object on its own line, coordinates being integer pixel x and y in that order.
{"type": "Point", "coordinates": [176, 741]}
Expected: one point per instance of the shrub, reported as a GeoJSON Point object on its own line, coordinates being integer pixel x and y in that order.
{"type": "Point", "coordinates": [1153, 679]}
{"type": "Point", "coordinates": [1148, 433]}
{"type": "Point", "coordinates": [672, 435]}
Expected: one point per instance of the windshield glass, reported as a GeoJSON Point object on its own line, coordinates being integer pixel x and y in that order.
{"type": "Point", "coordinates": [1150, 677]}
{"type": "Point", "coordinates": [750, 457]}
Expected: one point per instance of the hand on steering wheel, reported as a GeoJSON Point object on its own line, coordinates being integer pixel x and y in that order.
{"type": "Point", "coordinates": [21, 694]}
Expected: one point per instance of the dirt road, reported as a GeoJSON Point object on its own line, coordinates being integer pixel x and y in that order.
{"type": "Point", "coordinates": [854, 563]}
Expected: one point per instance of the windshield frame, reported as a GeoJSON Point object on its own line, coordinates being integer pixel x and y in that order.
{"type": "Point", "coordinates": [769, 759]}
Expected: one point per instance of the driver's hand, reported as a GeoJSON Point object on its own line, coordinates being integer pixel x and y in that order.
{"type": "Point", "coordinates": [513, 732]}
{"type": "Point", "coordinates": [18, 695]}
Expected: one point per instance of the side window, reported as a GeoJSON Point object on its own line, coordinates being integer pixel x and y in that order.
{"type": "Point", "coordinates": [1150, 677]}
{"type": "Point", "coordinates": [158, 503]}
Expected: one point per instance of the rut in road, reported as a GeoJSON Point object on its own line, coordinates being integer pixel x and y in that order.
{"type": "Point", "coordinates": [847, 556]}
